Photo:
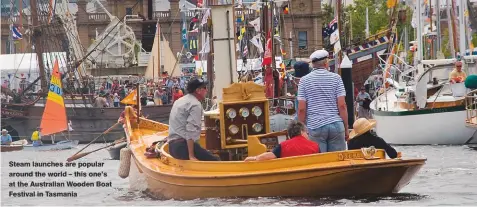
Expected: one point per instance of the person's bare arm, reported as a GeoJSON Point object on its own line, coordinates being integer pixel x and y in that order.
{"type": "Point", "coordinates": [190, 148]}
{"type": "Point", "coordinates": [262, 157]}
{"type": "Point", "coordinates": [301, 101]}
{"type": "Point", "coordinates": [193, 128]}
{"type": "Point", "coordinates": [343, 114]}
{"type": "Point", "coordinates": [301, 110]}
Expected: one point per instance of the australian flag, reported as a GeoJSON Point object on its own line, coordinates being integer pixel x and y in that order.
{"type": "Point", "coordinates": [330, 28]}
{"type": "Point", "coordinates": [16, 33]}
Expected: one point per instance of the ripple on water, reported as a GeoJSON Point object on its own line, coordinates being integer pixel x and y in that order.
{"type": "Point", "coordinates": [448, 178]}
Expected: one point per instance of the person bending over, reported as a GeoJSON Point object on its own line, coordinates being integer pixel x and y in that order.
{"type": "Point", "coordinates": [299, 144]}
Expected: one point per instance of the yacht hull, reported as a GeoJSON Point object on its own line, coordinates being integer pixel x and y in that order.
{"type": "Point", "coordinates": [432, 126]}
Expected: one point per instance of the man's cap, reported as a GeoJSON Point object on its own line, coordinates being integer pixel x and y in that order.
{"type": "Point", "coordinates": [194, 84]}
{"type": "Point", "coordinates": [301, 69]}
{"type": "Point", "coordinates": [4, 130]}
{"type": "Point", "coordinates": [319, 55]}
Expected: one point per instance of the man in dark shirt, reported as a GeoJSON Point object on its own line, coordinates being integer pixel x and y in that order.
{"type": "Point", "coordinates": [361, 136]}
{"type": "Point", "coordinates": [299, 144]}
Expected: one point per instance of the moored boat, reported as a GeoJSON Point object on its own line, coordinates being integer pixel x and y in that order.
{"type": "Point", "coordinates": [62, 145]}
{"type": "Point", "coordinates": [11, 148]}
{"type": "Point", "coordinates": [426, 112]}
{"type": "Point", "coordinates": [325, 174]}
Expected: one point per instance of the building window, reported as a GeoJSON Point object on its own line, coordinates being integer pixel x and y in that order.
{"type": "Point", "coordinates": [129, 11]}
{"type": "Point", "coordinates": [302, 40]}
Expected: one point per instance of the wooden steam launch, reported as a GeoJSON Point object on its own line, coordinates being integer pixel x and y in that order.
{"type": "Point", "coordinates": [240, 129]}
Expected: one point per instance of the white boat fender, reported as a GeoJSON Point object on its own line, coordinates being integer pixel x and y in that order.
{"type": "Point", "coordinates": [124, 162]}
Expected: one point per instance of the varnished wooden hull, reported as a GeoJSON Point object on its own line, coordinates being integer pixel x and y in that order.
{"type": "Point", "coordinates": [11, 148]}
{"type": "Point", "coordinates": [373, 180]}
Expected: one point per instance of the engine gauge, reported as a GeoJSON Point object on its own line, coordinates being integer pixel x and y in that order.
{"type": "Point", "coordinates": [257, 111]}
{"type": "Point", "coordinates": [244, 112]}
{"type": "Point", "coordinates": [231, 113]}
{"type": "Point", "coordinates": [257, 127]}
{"type": "Point", "coordinates": [233, 129]}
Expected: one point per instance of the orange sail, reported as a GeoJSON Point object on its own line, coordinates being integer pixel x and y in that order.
{"type": "Point", "coordinates": [130, 99]}
{"type": "Point", "coordinates": [54, 115]}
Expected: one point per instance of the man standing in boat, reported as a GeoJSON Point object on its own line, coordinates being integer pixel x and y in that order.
{"type": "Point", "coordinates": [185, 124]}
{"type": "Point", "coordinates": [322, 106]}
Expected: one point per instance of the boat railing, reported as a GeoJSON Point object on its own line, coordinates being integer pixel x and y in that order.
{"type": "Point", "coordinates": [471, 109]}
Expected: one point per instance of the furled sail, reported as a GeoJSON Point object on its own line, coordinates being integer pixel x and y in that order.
{"type": "Point", "coordinates": [54, 115]}
{"type": "Point", "coordinates": [161, 54]}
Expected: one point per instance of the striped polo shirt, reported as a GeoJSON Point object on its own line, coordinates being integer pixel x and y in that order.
{"type": "Point", "coordinates": [320, 89]}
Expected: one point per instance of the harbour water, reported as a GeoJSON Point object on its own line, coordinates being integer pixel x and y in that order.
{"type": "Point", "coordinates": [448, 178]}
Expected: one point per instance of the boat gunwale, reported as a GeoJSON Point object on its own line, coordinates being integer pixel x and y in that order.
{"type": "Point", "coordinates": [284, 171]}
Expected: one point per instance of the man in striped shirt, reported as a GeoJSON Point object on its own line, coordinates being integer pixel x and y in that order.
{"type": "Point", "coordinates": [322, 106]}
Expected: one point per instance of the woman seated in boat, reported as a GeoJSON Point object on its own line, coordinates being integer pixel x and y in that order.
{"type": "Point", "coordinates": [6, 138]}
{"type": "Point", "coordinates": [361, 136]}
{"type": "Point", "coordinates": [36, 137]}
{"type": "Point", "coordinates": [299, 144]}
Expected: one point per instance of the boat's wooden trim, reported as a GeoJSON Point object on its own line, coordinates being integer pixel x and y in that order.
{"type": "Point", "coordinates": [11, 148]}
{"type": "Point", "coordinates": [384, 180]}
{"type": "Point", "coordinates": [419, 111]}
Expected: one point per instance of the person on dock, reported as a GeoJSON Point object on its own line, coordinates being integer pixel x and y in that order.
{"type": "Point", "coordinates": [322, 106]}
{"type": "Point", "coordinates": [6, 138]}
{"type": "Point", "coordinates": [185, 124]}
{"type": "Point", "coordinates": [302, 68]}
{"type": "Point", "coordinates": [361, 136]}
{"type": "Point", "coordinates": [36, 137]}
{"type": "Point", "coordinates": [363, 100]}
{"type": "Point", "coordinates": [457, 75]}
{"type": "Point", "coordinates": [297, 145]}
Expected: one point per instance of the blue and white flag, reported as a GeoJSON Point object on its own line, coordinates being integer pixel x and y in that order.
{"type": "Point", "coordinates": [184, 35]}
{"type": "Point", "coordinates": [16, 33]}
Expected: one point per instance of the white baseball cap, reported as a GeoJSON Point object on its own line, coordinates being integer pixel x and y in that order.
{"type": "Point", "coordinates": [319, 55]}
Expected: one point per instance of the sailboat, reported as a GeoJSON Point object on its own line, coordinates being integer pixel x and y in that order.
{"type": "Point", "coordinates": [54, 119]}
{"type": "Point", "coordinates": [426, 108]}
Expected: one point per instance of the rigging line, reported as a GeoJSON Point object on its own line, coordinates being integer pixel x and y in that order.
{"type": "Point", "coordinates": [89, 53]}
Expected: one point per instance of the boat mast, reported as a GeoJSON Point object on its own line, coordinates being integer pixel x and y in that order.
{"type": "Point", "coordinates": [338, 56]}
{"type": "Point", "coordinates": [20, 24]}
{"type": "Point", "coordinates": [450, 28]}
{"type": "Point", "coordinates": [462, 5]}
{"type": "Point", "coordinates": [419, 33]}
{"type": "Point", "coordinates": [454, 32]}
{"type": "Point", "coordinates": [210, 55]}
{"type": "Point", "coordinates": [431, 55]}
{"type": "Point", "coordinates": [38, 45]}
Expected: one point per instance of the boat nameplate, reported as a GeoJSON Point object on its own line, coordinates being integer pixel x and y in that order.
{"type": "Point", "coordinates": [350, 156]}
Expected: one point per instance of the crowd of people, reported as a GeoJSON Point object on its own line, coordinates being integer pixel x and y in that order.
{"type": "Point", "coordinates": [162, 92]}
